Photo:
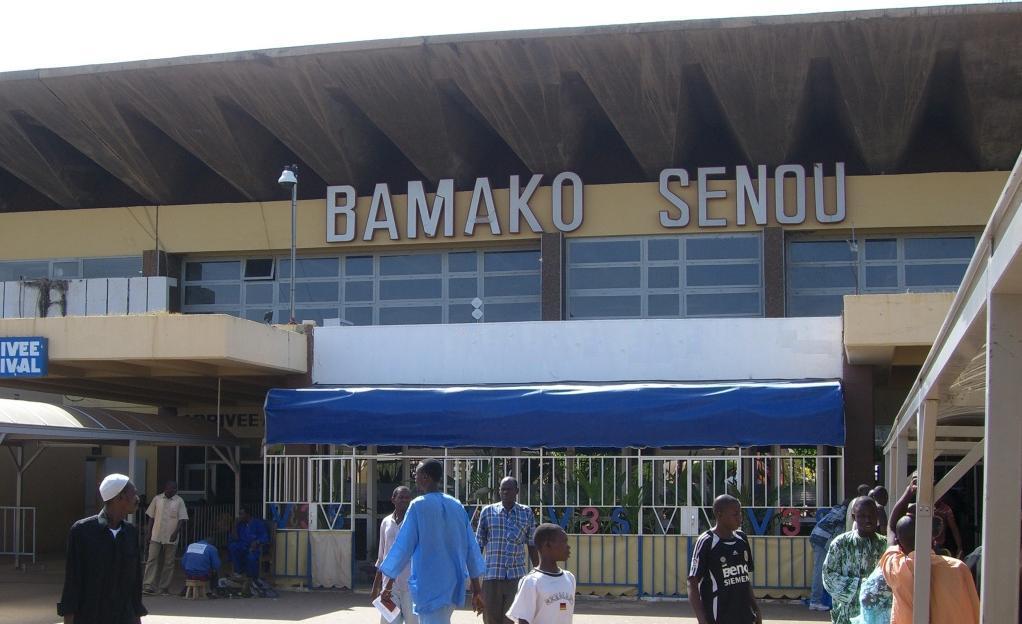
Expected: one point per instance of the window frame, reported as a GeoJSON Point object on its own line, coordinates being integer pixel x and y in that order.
{"type": "Point", "coordinates": [682, 291]}
{"type": "Point", "coordinates": [279, 304]}
{"type": "Point", "coordinates": [860, 263]}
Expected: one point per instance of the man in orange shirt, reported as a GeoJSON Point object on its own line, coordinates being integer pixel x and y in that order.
{"type": "Point", "coordinates": [953, 598]}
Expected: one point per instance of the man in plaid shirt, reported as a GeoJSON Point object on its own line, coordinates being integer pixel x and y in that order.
{"type": "Point", "coordinates": [505, 529]}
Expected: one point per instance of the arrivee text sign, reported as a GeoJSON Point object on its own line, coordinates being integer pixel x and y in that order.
{"type": "Point", "coordinates": [23, 357]}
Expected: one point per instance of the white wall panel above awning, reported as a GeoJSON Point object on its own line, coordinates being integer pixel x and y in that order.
{"type": "Point", "coordinates": [731, 349]}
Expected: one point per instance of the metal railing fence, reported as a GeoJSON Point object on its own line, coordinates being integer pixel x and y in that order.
{"type": "Point", "coordinates": [18, 532]}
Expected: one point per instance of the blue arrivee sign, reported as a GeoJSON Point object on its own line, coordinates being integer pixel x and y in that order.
{"type": "Point", "coordinates": [23, 357]}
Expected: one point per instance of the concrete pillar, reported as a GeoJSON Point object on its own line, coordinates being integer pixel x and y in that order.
{"type": "Point", "coordinates": [927, 434]}
{"type": "Point", "coordinates": [1002, 471]}
{"type": "Point", "coordinates": [551, 251]}
{"type": "Point", "coordinates": [860, 434]}
{"type": "Point", "coordinates": [773, 272]}
{"type": "Point", "coordinates": [237, 481]}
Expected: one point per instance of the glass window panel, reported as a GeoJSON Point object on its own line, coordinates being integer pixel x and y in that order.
{"type": "Point", "coordinates": [662, 249]}
{"type": "Point", "coordinates": [411, 289]}
{"type": "Point", "coordinates": [496, 261]}
{"type": "Point", "coordinates": [882, 249]}
{"type": "Point", "coordinates": [662, 277]}
{"type": "Point", "coordinates": [934, 275]}
{"type": "Point", "coordinates": [815, 305]}
{"type": "Point", "coordinates": [259, 293]}
{"type": "Point", "coordinates": [315, 314]}
{"type": "Point", "coordinates": [213, 294]}
{"type": "Point", "coordinates": [264, 315]}
{"type": "Point", "coordinates": [359, 316]}
{"type": "Point", "coordinates": [358, 291]}
{"type": "Point", "coordinates": [509, 312]}
{"type": "Point", "coordinates": [309, 291]}
{"type": "Point", "coordinates": [722, 304]}
{"type": "Point", "coordinates": [939, 248]}
{"type": "Point", "coordinates": [415, 264]}
{"type": "Point", "coordinates": [462, 287]}
{"type": "Point", "coordinates": [358, 265]}
{"type": "Point", "coordinates": [820, 251]}
{"type": "Point", "coordinates": [840, 276]}
{"type": "Point", "coordinates": [606, 277]}
{"type": "Point", "coordinates": [461, 261]}
{"type": "Point", "coordinates": [591, 252]}
{"type": "Point", "coordinates": [112, 267]}
{"type": "Point", "coordinates": [663, 305]}
{"type": "Point", "coordinates": [213, 270]}
{"type": "Point", "coordinates": [309, 267]}
{"type": "Point", "coordinates": [606, 306]}
{"type": "Point", "coordinates": [722, 274]}
{"type": "Point", "coordinates": [721, 247]}
{"type": "Point", "coordinates": [259, 268]}
{"type": "Point", "coordinates": [460, 313]}
{"type": "Point", "coordinates": [508, 285]}
{"type": "Point", "coordinates": [882, 276]}
{"type": "Point", "coordinates": [15, 271]}
{"type": "Point", "coordinates": [412, 315]}
{"type": "Point", "coordinates": [66, 270]}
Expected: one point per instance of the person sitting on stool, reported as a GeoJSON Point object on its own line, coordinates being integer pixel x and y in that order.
{"type": "Point", "coordinates": [201, 562]}
{"type": "Point", "coordinates": [247, 542]}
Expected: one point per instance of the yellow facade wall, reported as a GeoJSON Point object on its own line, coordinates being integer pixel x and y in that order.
{"type": "Point", "coordinates": [933, 200]}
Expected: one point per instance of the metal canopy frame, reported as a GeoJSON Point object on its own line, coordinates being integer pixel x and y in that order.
{"type": "Point", "coordinates": [20, 434]}
{"type": "Point", "coordinates": [984, 323]}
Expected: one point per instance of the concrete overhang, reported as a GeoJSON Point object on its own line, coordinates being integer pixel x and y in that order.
{"type": "Point", "coordinates": [892, 329]}
{"type": "Point", "coordinates": [164, 359]}
{"type": "Point", "coordinates": [614, 104]}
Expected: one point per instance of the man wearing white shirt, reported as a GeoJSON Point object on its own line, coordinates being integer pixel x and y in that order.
{"type": "Point", "coordinates": [167, 515]}
{"type": "Point", "coordinates": [401, 597]}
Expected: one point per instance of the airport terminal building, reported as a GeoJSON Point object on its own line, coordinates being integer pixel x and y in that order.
{"type": "Point", "coordinates": [712, 255]}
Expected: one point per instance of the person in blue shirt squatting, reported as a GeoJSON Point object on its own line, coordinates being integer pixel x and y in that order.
{"type": "Point", "coordinates": [201, 562]}
{"type": "Point", "coordinates": [436, 538]}
{"type": "Point", "coordinates": [505, 529]}
{"type": "Point", "coordinates": [247, 542]}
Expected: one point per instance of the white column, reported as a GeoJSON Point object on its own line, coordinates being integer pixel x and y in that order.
{"type": "Point", "coordinates": [824, 487]}
{"type": "Point", "coordinates": [132, 450]}
{"type": "Point", "coordinates": [19, 460]}
{"type": "Point", "coordinates": [927, 434]}
{"type": "Point", "coordinates": [372, 493]}
{"type": "Point", "coordinates": [900, 458]}
{"type": "Point", "coordinates": [1002, 471]}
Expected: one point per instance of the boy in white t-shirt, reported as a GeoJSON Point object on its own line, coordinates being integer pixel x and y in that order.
{"type": "Point", "coordinates": [546, 595]}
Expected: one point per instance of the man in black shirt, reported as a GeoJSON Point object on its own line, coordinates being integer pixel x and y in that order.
{"type": "Point", "coordinates": [720, 576]}
{"type": "Point", "coordinates": [103, 577]}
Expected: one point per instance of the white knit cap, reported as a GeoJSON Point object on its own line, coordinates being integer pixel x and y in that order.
{"type": "Point", "coordinates": [112, 486]}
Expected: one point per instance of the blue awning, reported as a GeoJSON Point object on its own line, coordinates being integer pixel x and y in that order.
{"type": "Point", "coordinates": [580, 415]}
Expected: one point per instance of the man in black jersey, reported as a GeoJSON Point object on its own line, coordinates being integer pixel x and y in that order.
{"type": "Point", "coordinates": [720, 576]}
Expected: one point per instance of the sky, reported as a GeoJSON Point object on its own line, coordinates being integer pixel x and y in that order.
{"type": "Point", "coordinates": [61, 33]}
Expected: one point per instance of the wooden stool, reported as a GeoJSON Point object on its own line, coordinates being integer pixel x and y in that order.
{"type": "Point", "coordinates": [195, 590]}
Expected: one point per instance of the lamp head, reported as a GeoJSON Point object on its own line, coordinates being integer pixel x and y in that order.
{"type": "Point", "coordinates": [288, 177]}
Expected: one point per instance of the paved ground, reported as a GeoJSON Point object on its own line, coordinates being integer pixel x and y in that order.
{"type": "Point", "coordinates": [30, 598]}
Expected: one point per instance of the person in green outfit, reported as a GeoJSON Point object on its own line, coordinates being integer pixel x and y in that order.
{"type": "Point", "coordinates": [851, 558]}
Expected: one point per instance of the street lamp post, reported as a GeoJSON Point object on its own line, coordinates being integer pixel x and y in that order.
{"type": "Point", "coordinates": [289, 178]}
